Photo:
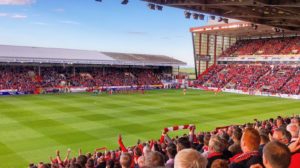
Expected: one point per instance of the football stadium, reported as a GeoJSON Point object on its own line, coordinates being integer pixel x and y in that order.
{"type": "Point", "coordinates": [80, 108]}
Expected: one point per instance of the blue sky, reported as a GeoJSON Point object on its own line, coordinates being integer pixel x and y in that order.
{"type": "Point", "coordinates": [105, 26]}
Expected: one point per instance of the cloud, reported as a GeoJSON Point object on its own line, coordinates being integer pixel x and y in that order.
{"type": "Point", "coordinates": [18, 16]}
{"type": "Point", "coordinates": [165, 38]}
{"type": "Point", "coordinates": [3, 14]}
{"type": "Point", "coordinates": [137, 33]}
{"type": "Point", "coordinates": [16, 2]}
{"type": "Point", "coordinates": [59, 10]}
{"type": "Point", "coordinates": [40, 23]}
{"type": "Point", "coordinates": [13, 16]}
{"type": "Point", "coordinates": [69, 22]}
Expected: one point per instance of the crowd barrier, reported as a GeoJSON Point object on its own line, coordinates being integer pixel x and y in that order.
{"type": "Point", "coordinates": [11, 92]}
{"type": "Point", "coordinates": [8, 92]}
{"type": "Point", "coordinates": [257, 93]}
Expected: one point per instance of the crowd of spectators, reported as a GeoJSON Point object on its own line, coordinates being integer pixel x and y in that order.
{"type": "Point", "coordinates": [248, 76]}
{"type": "Point", "coordinates": [272, 143]}
{"type": "Point", "coordinates": [292, 86]}
{"type": "Point", "coordinates": [30, 78]}
{"type": "Point", "coordinates": [16, 79]}
{"type": "Point", "coordinates": [266, 46]}
{"type": "Point", "coordinates": [292, 47]}
{"type": "Point", "coordinates": [283, 79]}
{"type": "Point", "coordinates": [278, 76]}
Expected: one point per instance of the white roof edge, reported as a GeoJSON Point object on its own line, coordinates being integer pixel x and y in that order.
{"type": "Point", "coordinates": [27, 54]}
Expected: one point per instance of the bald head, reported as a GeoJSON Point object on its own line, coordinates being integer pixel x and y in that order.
{"type": "Point", "coordinates": [154, 159]}
{"type": "Point", "coordinates": [146, 150]}
{"type": "Point", "coordinates": [189, 158]}
{"type": "Point", "coordinates": [293, 129]}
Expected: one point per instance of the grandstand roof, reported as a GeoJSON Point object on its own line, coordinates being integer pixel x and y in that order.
{"type": "Point", "coordinates": [238, 29]}
{"type": "Point", "coordinates": [280, 13]}
{"type": "Point", "coordinates": [23, 54]}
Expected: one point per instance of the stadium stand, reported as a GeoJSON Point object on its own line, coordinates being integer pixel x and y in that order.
{"type": "Point", "coordinates": [27, 70]}
{"type": "Point", "coordinates": [262, 77]}
{"type": "Point", "coordinates": [271, 46]}
{"type": "Point", "coordinates": [261, 65]}
{"type": "Point", "coordinates": [28, 80]}
{"type": "Point", "coordinates": [242, 43]}
{"type": "Point", "coordinates": [202, 149]}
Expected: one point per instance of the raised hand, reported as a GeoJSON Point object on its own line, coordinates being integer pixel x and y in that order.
{"type": "Point", "coordinates": [295, 146]}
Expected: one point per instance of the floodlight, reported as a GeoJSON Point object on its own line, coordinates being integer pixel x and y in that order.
{"type": "Point", "coordinates": [187, 14]}
{"type": "Point", "coordinates": [201, 16]}
{"type": "Point", "coordinates": [220, 19]}
{"type": "Point", "coordinates": [151, 6]}
{"type": "Point", "coordinates": [195, 16]}
{"type": "Point", "coordinates": [124, 2]}
{"type": "Point", "coordinates": [158, 7]}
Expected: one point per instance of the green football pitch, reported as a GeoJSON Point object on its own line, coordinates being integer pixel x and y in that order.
{"type": "Point", "coordinates": [33, 127]}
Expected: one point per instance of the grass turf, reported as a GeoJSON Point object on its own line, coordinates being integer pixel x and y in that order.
{"type": "Point", "coordinates": [33, 127]}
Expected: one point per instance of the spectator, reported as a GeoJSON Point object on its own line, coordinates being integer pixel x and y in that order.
{"type": "Point", "coordinates": [264, 139]}
{"type": "Point", "coordinates": [282, 135]}
{"type": "Point", "coordinates": [81, 160]}
{"type": "Point", "coordinates": [141, 161]}
{"type": "Point", "coordinates": [293, 128]}
{"type": "Point", "coordinates": [154, 159]}
{"type": "Point", "coordinates": [235, 148]}
{"type": "Point", "coordinates": [146, 150]}
{"type": "Point", "coordinates": [183, 143]}
{"type": "Point", "coordinates": [125, 160]}
{"type": "Point", "coordinates": [171, 153]}
{"type": "Point", "coordinates": [276, 155]}
{"type": "Point", "coordinates": [89, 163]}
{"type": "Point", "coordinates": [204, 150]}
{"type": "Point", "coordinates": [250, 144]}
{"type": "Point", "coordinates": [189, 158]}
{"type": "Point", "coordinates": [219, 163]}
{"type": "Point", "coordinates": [295, 150]}
{"type": "Point", "coordinates": [215, 150]}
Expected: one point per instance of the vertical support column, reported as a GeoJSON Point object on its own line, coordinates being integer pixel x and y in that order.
{"type": "Point", "coordinates": [207, 49]}
{"type": "Point", "coordinates": [200, 46]}
{"type": "Point", "coordinates": [223, 44]}
{"type": "Point", "coordinates": [39, 70]}
{"type": "Point", "coordinates": [74, 71]}
{"type": "Point", "coordinates": [229, 41]}
{"type": "Point", "coordinates": [195, 55]}
{"type": "Point", "coordinates": [215, 50]}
